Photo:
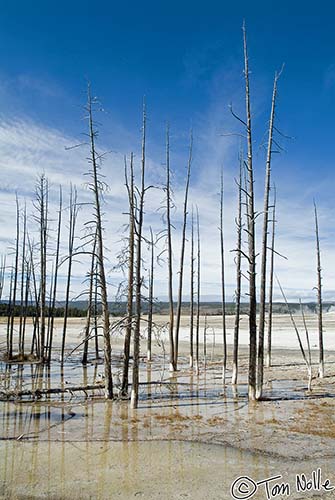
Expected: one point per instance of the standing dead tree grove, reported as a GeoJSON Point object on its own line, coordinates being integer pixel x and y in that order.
{"type": "Point", "coordinates": [33, 284]}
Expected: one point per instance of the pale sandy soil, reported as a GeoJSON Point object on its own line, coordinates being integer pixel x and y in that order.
{"type": "Point", "coordinates": [189, 438]}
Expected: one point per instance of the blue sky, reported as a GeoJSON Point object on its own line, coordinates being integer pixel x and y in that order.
{"type": "Point", "coordinates": [186, 58]}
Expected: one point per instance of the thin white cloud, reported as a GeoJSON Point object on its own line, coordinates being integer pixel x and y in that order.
{"type": "Point", "coordinates": [28, 149]}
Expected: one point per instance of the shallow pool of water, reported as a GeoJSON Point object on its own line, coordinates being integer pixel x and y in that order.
{"type": "Point", "coordinates": [150, 470]}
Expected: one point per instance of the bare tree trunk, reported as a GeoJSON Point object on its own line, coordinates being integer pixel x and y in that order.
{"type": "Point", "coordinates": [23, 262]}
{"type": "Point", "coordinates": [36, 341]}
{"type": "Point", "coordinates": [151, 295]}
{"type": "Point", "coordinates": [26, 299]}
{"type": "Point", "coordinates": [54, 290]}
{"type": "Point", "coordinates": [170, 256]}
{"type": "Point", "coordinates": [310, 373]}
{"type": "Point", "coordinates": [205, 342]}
{"type": "Point", "coordinates": [2, 285]}
{"type": "Point", "coordinates": [96, 311]}
{"type": "Point", "coordinates": [2, 275]}
{"type": "Point", "coordinates": [47, 343]}
{"type": "Point", "coordinates": [296, 329]}
{"type": "Point", "coordinates": [192, 293]}
{"type": "Point", "coordinates": [213, 344]}
{"type": "Point", "coordinates": [73, 212]}
{"type": "Point", "coordinates": [261, 328]}
{"type": "Point", "coordinates": [182, 256]}
{"type": "Point", "coordinates": [138, 277]}
{"type": "Point", "coordinates": [130, 297]}
{"type": "Point", "coordinates": [238, 278]}
{"type": "Point", "coordinates": [42, 193]}
{"type": "Point", "coordinates": [224, 332]}
{"type": "Point", "coordinates": [319, 293]}
{"type": "Point", "coordinates": [9, 353]}
{"type": "Point", "coordinates": [96, 187]}
{"type": "Point", "coordinates": [198, 299]}
{"type": "Point", "coordinates": [14, 288]}
{"type": "Point", "coordinates": [251, 235]}
{"type": "Point", "coordinates": [269, 342]}
{"type": "Point", "coordinates": [89, 302]}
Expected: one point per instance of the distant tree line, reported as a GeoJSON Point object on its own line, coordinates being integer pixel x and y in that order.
{"type": "Point", "coordinates": [31, 311]}
{"type": "Point", "coordinates": [79, 310]}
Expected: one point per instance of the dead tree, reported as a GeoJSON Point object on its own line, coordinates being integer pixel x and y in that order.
{"type": "Point", "coordinates": [9, 338]}
{"type": "Point", "coordinates": [205, 342]}
{"type": "Point", "coordinates": [151, 294]}
{"type": "Point", "coordinates": [41, 205]}
{"type": "Point", "coordinates": [51, 279]}
{"type": "Point", "coordinates": [223, 294]}
{"type": "Point", "coordinates": [43, 200]}
{"type": "Point", "coordinates": [251, 233]}
{"type": "Point", "coordinates": [55, 277]}
{"type": "Point", "coordinates": [23, 285]}
{"type": "Point", "coordinates": [169, 250]}
{"type": "Point", "coordinates": [10, 325]}
{"type": "Point", "coordinates": [130, 292]}
{"type": "Point", "coordinates": [26, 298]}
{"type": "Point", "coordinates": [2, 275]}
{"type": "Point", "coordinates": [73, 213]}
{"type": "Point", "coordinates": [302, 350]}
{"type": "Point", "coordinates": [138, 277]}
{"type": "Point", "coordinates": [197, 327]}
{"type": "Point", "coordinates": [238, 277]}
{"type": "Point", "coordinates": [310, 373]}
{"type": "Point", "coordinates": [97, 186]}
{"type": "Point", "coordinates": [261, 327]}
{"type": "Point", "coordinates": [192, 292]}
{"type": "Point", "coordinates": [2, 284]}
{"type": "Point", "coordinates": [182, 256]}
{"type": "Point", "coordinates": [319, 294]}
{"type": "Point", "coordinates": [269, 333]}
{"type": "Point", "coordinates": [96, 311]}
{"type": "Point", "coordinates": [35, 294]}
{"type": "Point", "coordinates": [87, 330]}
